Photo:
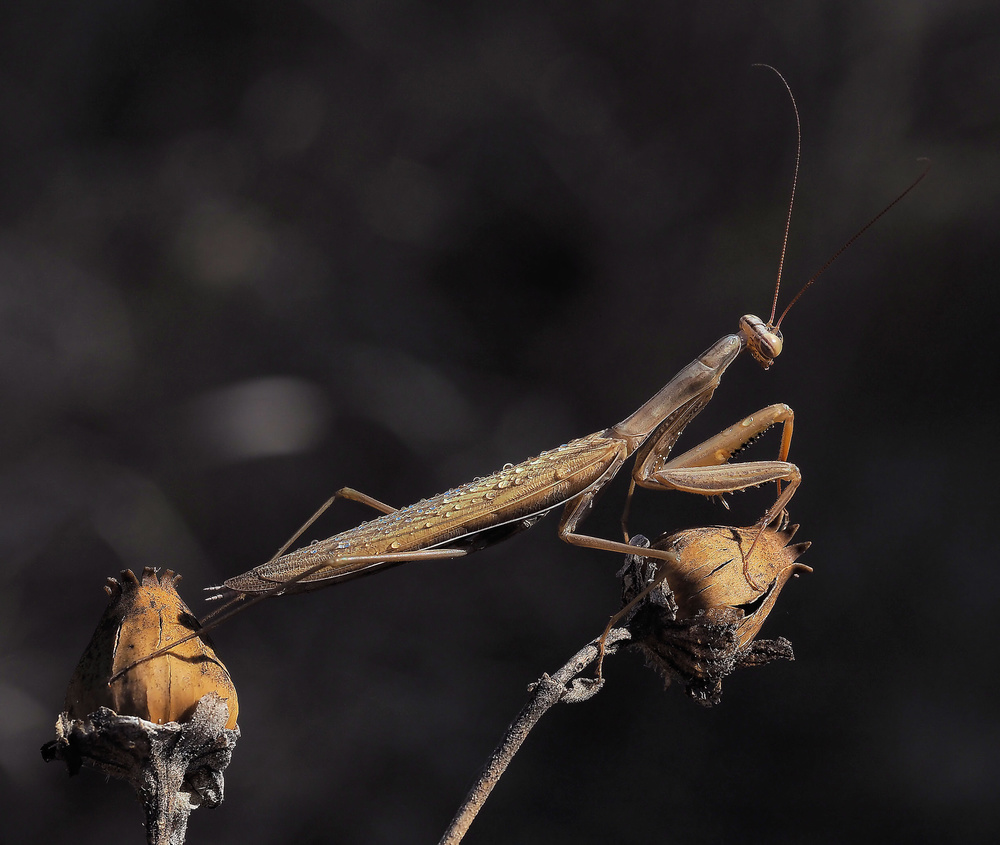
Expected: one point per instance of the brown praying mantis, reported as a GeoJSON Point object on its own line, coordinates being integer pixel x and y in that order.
{"type": "Point", "coordinates": [488, 510]}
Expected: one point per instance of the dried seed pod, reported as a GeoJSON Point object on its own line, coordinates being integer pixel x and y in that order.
{"type": "Point", "coordinates": [710, 574]}
{"type": "Point", "coordinates": [140, 618]}
{"type": "Point", "coordinates": [701, 621]}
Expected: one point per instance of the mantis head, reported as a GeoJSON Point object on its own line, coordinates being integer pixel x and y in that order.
{"type": "Point", "coordinates": [762, 339]}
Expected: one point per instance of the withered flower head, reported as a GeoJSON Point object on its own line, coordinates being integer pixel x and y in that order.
{"type": "Point", "coordinates": [141, 618]}
{"type": "Point", "coordinates": [702, 621]}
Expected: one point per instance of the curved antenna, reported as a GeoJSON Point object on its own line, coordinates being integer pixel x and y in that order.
{"type": "Point", "coordinates": [795, 182]}
{"type": "Point", "coordinates": [853, 238]}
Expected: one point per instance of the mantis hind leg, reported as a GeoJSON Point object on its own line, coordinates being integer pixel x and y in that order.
{"type": "Point", "coordinates": [362, 498]}
{"type": "Point", "coordinates": [343, 493]}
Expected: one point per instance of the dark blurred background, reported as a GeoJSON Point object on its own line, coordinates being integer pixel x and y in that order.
{"type": "Point", "coordinates": [251, 252]}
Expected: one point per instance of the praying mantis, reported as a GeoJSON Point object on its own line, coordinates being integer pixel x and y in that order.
{"type": "Point", "coordinates": [488, 510]}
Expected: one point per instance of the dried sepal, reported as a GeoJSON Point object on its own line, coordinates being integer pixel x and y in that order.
{"type": "Point", "coordinates": [174, 767]}
{"type": "Point", "coordinates": [701, 621]}
{"type": "Point", "coordinates": [141, 617]}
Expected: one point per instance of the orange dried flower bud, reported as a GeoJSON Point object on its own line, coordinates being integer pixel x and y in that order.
{"type": "Point", "coordinates": [141, 618]}
{"type": "Point", "coordinates": [710, 576]}
{"type": "Point", "coordinates": [703, 612]}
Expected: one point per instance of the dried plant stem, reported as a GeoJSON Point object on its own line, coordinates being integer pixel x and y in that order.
{"type": "Point", "coordinates": [173, 767]}
{"type": "Point", "coordinates": [563, 685]}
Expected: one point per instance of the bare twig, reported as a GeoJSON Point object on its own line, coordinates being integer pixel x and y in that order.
{"type": "Point", "coordinates": [564, 685]}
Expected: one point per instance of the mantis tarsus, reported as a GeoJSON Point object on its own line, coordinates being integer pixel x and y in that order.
{"type": "Point", "coordinates": [485, 511]}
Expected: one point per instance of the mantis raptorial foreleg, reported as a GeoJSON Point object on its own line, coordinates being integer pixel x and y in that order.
{"type": "Point", "coordinates": [706, 470]}
{"type": "Point", "coordinates": [703, 470]}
